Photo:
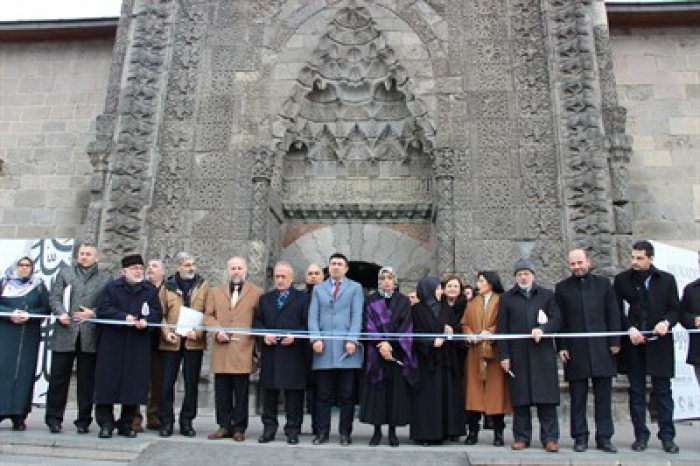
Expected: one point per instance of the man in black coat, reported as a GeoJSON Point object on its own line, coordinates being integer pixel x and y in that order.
{"type": "Point", "coordinates": [284, 359]}
{"type": "Point", "coordinates": [123, 351]}
{"type": "Point", "coordinates": [649, 300]}
{"type": "Point", "coordinates": [690, 318]}
{"type": "Point", "coordinates": [588, 304]}
{"type": "Point", "coordinates": [530, 309]}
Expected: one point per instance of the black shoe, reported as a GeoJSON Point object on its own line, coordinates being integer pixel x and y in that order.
{"type": "Point", "coordinates": [82, 430]}
{"type": "Point", "coordinates": [670, 446]}
{"type": "Point", "coordinates": [105, 432]}
{"type": "Point", "coordinates": [187, 430]}
{"type": "Point", "coordinates": [165, 430]}
{"type": "Point", "coordinates": [393, 439]}
{"type": "Point", "coordinates": [320, 439]}
{"type": "Point", "coordinates": [54, 427]}
{"type": "Point", "coordinates": [376, 438]}
{"type": "Point", "coordinates": [472, 437]}
{"type": "Point", "coordinates": [127, 432]}
{"type": "Point", "coordinates": [345, 440]}
{"type": "Point", "coordinates": [293, 439]}
{"type": "Point", "coordinates": [266, 438]}
{"type": "Point", "coordinates": [639, 444]}
{"type": "Point", "coordinates": [498, 438]}
{"type": "Point", "coordinates": [606, 446]}
{"type": "Point", "coordinates": [19, 425]}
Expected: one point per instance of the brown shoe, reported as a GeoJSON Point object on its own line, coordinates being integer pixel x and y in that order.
{"type": "Point", "coordinates": [219, 434]}
{"type": "Point", "coordinates": [551, 446]}
{"type": "Point", "coordinates": [238, 436]}
{"type": "Point", "coordinates": [519, 445]}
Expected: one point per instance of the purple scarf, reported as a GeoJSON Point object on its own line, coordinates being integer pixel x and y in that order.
{"type": "Point", "coordinates": [380, 320]}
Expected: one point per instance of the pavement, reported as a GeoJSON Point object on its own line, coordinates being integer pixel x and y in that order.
{"type": "Point", "coordinates": [37, 446]}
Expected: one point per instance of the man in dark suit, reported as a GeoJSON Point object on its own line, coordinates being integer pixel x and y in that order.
{"type": "Point", "coordinates": [649, 300]}
{"type": "Point", "coordinates": [690, 317]}
{"type": "Point", "coordinates": [283, 358]}
{"type": "Point", "coordinates": [529, 308]}
{"type": "Point", "coordinates": [588, 304]}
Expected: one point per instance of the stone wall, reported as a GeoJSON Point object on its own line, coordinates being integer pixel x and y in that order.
{"type": "Point", "coordinates": [658, 80]}
{"type": "Point", "coordinates": [50, 94]}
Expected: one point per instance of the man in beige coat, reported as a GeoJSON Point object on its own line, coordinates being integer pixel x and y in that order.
{"type": "Point", "coordinates": [232, 305]}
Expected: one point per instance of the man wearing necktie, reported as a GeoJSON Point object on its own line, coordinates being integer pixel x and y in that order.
{"type": "Point", "coordinates": [283, 356]}
{"type": "Point", "coordinates": [232, 305]}
{"type": "Point", "coordinates": [335, 321]}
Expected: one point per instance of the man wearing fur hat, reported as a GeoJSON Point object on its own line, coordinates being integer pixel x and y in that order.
{"type": "Point", "coordinates": [124, 348]}
{"type": "Point", "coordinates": [531, 362]}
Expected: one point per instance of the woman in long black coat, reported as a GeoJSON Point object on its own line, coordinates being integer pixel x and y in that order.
{"type": "Point", "coordinates": [438, 402]}
{"type": "Point", "coordinates": [390, 366]}
{"type": "Point", "coordinates": [21, 293]}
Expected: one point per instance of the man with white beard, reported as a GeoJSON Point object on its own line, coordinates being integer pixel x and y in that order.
{"type": "Point", "coordinates": [123, 351]}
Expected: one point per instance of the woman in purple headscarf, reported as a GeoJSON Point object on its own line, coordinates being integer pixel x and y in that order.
{"type": "Point", "coordinates": [390, 363]}
{"type": "Point", "coordinates": [437, 412]}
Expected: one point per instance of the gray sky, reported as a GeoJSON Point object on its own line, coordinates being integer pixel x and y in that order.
{"type": "Point", "coordinates": [13, 10]}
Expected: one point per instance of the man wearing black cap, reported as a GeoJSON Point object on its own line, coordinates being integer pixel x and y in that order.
{"type": "Point", "coordinates": [123, 351]}
{"type": "Point", "coordinates": [531, 363]}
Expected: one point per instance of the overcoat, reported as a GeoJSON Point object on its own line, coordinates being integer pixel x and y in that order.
{"type": "Point", "coordinates": [235, 357]}
{"type": "Point", "coordinates": [19, 349]}
{"type": "Point", "coordinates": [122, 372]}
{"type": "Point", "coordinates": [690, 309]}
{"type": "Point", "coordinates": [85, 290]}
{"type": "Point", "coordinates": [588, 304]}
{"type": "Point", "coordinates": [283, 367]}
{"type": "Point", "coordinates": [340, 316]}
{"type": "Point", "coordinates": [534, 365]}
{"type": "Point", "coordinates": [171, 297]}
{"type": "Point", "coordinates": [643, 311]}
{"type": "Point", "coordinates": [486, 387]}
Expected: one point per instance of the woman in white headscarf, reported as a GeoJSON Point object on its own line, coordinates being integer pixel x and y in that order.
{"type": "Point", "coordinates": [22, 294]}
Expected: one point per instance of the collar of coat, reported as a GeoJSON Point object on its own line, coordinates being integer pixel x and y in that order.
{"type": "Point", "coordinates": [171, 283]}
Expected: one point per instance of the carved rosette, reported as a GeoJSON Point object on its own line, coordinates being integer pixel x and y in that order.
{"type": "Point", "coordinates": [263, 163]}
{"type": "Point", "coordinates": [443, 167]}
{"type": "Point", "coordinates": [586, 173]}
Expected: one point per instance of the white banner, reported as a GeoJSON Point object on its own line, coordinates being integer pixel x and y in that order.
{"type": "Point", "coordinates": [47, 255]}
{"type": "Point", "coordinates": [683, 264]}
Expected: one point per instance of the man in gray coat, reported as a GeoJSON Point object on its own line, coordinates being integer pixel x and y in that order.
{"type": "Point", "coordinates": [74, 296]}
{"type": "Point", "coordinates": [336, 311]}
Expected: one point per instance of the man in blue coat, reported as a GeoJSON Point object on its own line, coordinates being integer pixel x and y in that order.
{"type": "Point", "coordinates": [335, 321]}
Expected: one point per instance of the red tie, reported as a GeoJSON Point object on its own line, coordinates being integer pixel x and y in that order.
{"type": "Point", "coordinates": [337, 288]}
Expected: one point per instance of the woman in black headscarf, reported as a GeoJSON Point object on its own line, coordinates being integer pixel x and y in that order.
{"type": "Point", "coordinates": [438, 404]}
{"type": "Point", "coordinates": [21, 294]}
{"type": "Point", "coordinates": [390, 363]}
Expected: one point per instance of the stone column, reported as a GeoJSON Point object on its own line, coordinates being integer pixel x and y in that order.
{"type": "Point", "coordinates": [263, 163]}
{"type": "Point", "coordinates": [443, 168]}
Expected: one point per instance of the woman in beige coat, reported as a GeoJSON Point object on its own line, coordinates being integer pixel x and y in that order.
{"type": "Point", "coordinates": [486, 388]}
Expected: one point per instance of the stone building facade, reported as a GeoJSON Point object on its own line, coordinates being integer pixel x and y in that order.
{"type": "Point", "coordinates": [435, 135]}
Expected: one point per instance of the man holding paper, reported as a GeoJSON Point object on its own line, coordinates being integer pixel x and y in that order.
{"type": "Point", "coordinates": [283, 358]}
{"type": "Point", "coordinates": [182, 342]}
{"type": "Point", "coordinates": [530, 310]}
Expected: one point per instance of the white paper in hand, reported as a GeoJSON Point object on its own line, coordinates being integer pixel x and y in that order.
{"type": "Point", "coordinates": [66, 297]}
{"type": "Point", "coordinates": [541, 317]}
{"type": "Point", "coordinates": [188, 320]}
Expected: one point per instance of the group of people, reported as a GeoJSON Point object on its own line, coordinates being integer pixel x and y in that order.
{"type": "Point", "coordinates": [445, 362]}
